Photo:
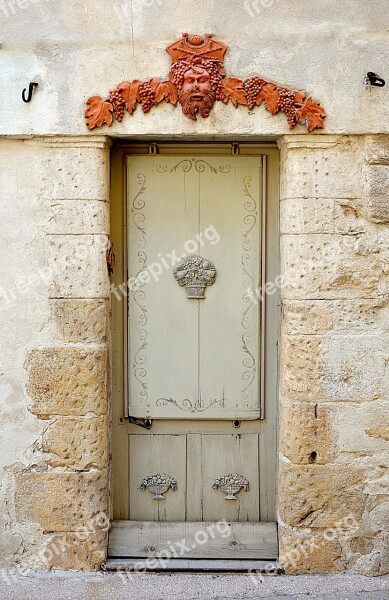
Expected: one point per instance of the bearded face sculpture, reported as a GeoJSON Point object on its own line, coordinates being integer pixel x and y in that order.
{"type": "Point", "coordinates": [196, 93]}
{"type": "Point", "coordinates": [197, 82]}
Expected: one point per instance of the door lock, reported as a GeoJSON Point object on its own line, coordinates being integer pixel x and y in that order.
{"type": "Point", "coordinates": [145, 423]}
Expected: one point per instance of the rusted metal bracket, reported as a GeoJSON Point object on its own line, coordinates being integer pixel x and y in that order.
{"type": "Point", "coordinates": [110, 258]}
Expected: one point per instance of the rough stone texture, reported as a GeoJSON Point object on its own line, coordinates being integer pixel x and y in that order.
{"type": "Point", "coordinates": [334, 357]}
{"type": "Point", "coordinates": [334, 266]}
{"type": "Point", "coordinates": [305, 433]}
{"type": "Point", "coordinates": [303, 215]}
{"type": "Point", "coordinates": [79, 266]}
{"type": "Point", "coordinates": [68, 381]}
{"type": "Point", "coordinates": [61, 501]}
{"type": "Point", "coordinates": [73, 171]}
{"type": "Point", "coordinates": [181, 586]}
{"type": "Point", "coordinates": [80, 443]}
{"type": "Point", "coordinates": [314, 495]}
{"type": "Point", "coordinates": [309, 552]}
{"type": "Point", "coordinates": [377, 194]}
{"type": "Point", "coordinates": [78, 552]}
{"type": "Point", "coordinates": [81, 321]}
{"type": "Point", "coordinates": [341, 368]}
{"type": "Point", "coordinates": [79, 216]}
{"type": "Point", "coordinates": [313, 168]}
{"type": "Point", "coordinates": [377, 179]}
{"type": "Point", "coordinates": [377, 149]}
{"type": "Point", "coordinates": [55, 186]}
{"type": "Point", "coordinates": [362, 428]}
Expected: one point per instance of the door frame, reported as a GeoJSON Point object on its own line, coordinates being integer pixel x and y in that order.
{"type": "Point", "coordinates": [272, 312]}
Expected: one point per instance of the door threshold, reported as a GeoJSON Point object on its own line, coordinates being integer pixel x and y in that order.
{"type": "Point", "coordinates": [140, 565]}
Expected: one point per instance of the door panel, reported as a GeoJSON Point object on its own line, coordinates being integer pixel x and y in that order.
{"type": "Point", "coordinates": [150, 455]}
{"type": "Point", "coordinates": [194, 359]}
{"type": "Point", "coordinates": [194, 461]}
{"type": "Point", "coordinates": [222, 455]}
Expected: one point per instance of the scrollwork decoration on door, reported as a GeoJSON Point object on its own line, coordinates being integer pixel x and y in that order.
{"type": "Point", "coordinates": [248, 360]}
{"type": "Point", "coordinates": [138, 294]}
{"type": "Point", "coordinates": [199, 164]}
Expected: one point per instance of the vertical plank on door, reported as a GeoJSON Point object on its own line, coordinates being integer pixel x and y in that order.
{"type": "Point", "coordinates": [151, 454]}
{"type": "Point", "coordinates": [224, 454]}
{"type": "Point", "coordinates": [194, 480]}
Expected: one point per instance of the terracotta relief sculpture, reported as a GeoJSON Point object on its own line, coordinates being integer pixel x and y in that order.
{"type": "Point", "coordinates": [196, 80]}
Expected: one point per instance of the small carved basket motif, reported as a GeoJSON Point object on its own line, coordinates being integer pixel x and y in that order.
{"type": "Point", "coordinates": [158, 484]}
{"type": "Point", "coordinates": [195, 273]}
{"type": "Point", "coordinates": [231, 484]}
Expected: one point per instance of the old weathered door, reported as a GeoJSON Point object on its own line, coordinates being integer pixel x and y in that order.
{"type": "Point", "coordinates": [195, 347]}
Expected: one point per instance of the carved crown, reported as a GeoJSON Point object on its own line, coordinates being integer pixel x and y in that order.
{"type": "Point", "coordinates": [191, 47]}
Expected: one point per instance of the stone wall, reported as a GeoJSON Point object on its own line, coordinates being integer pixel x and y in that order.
{"type": "Point", "coordinates": [54, 383]}
{"type": "Point", "coordinates": [334, 485]}
{"type": "Point", "coordinates": [54, 372]}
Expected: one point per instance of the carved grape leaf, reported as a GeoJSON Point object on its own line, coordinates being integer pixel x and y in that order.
{"type": "Point", "coordinates": [299, 97]}
{"type": "Point", "coordinates": [99, 112]}
{"type": "Point", "coordinates": [232, 89]}
{"type": "Point", "coordinates": [164, 90]}
{"type": "Point", "coordinates": [269, 93]}
{"type": "Point", "coordinates": [311, 114]}
{"type": "Point", "coordinates": [130, 93]}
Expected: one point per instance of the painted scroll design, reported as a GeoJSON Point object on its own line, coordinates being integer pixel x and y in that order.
{"type": "Point", "coordinates": [248, 360]}
{"type": "Point", "coordinates": [200, 166]}
{"type": "Point", "coordinates": [196, 81]}
{"type": "Point", "coordinates": [188, 406]}
{"type": "Point", "coordinates": [139, 295]}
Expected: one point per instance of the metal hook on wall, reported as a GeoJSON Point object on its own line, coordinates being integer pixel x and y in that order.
{"type": "Point", "coordinates": [31, 88]}
{"type": "Point", "coordinates": [373, 79]}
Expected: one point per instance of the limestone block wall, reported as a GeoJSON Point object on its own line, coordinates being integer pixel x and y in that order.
{"type": "Point", "coordinates": [334, 391]}
{"type": "Point", "coordinates": [54, 365]}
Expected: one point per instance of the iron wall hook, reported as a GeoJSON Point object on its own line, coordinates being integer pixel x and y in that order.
{"type": "Point", "coordinates": [31, 88]}
{"type": "Point", "coordinates": [373, 79]}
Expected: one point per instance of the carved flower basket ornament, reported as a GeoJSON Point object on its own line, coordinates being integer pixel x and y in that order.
{"type": "Point", "coordinates": [158, 484]}
{"type": "Point", "coordinates": [197, 80]}
{"type": "Point", "coordinates": [231, 484]}
{"type": "Point", "coordinates": [195, 273]}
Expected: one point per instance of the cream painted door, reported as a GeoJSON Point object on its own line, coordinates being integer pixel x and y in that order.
{"type": "Point", "coordinates": [194, 364]}
{"type": "Point", "coordinates": [194, 358]}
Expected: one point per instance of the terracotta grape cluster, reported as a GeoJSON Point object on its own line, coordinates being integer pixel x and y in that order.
{"type": "Point", "coordinates": [286, 100]}
{"type": "Point", "coordinates": [177, 73]}
{"type": "Point", "coordinates": [252, 87]}
{"type": "Point", "coordinates": [147, 96]}
{"type": "Point", "coordinates": [118, 104]}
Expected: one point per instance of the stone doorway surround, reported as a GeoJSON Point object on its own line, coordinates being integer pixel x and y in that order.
{"type": "Point", "coordinates": [333, 492]}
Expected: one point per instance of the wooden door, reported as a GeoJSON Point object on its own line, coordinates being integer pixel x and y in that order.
{"type": "Point", "coordinates": [194, 243]}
